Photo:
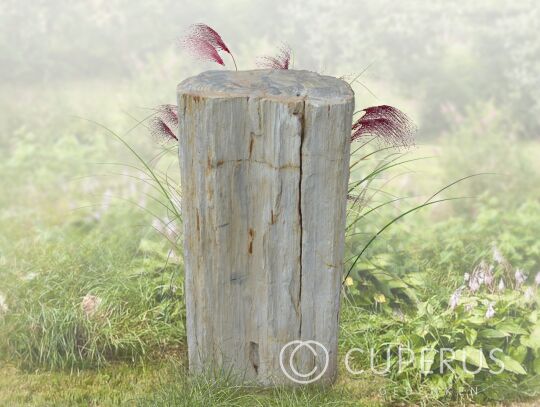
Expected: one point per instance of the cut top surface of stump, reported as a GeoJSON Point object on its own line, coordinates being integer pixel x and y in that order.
{"type": "Point", "coordinates": [270, 83]}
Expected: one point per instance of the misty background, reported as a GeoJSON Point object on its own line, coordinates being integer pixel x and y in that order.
{"type": "Point", "coordinates": [468, 73]}
{"type": "Point", "coordinates": [435, 59]}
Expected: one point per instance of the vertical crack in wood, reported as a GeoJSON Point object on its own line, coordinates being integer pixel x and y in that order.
{"type": "Point", "coordinates": [302, 132]}
{"type": "Point", "coordinates": [254, 356]}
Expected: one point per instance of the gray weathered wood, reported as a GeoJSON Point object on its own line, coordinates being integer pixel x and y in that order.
{"type": "Point", "coordinates": [265, 164]}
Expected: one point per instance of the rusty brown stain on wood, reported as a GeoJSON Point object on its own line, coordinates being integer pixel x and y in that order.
{"type": "Point", "coordinates": [251, 236]}
{"type": "Point", "coordinates": [273, 217]}
{"type": "Point", "coordinates": [296, 108]}
{"type": "Point", "coordinates": [251, 141]}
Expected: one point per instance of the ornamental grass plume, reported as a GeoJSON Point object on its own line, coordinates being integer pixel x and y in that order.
{"type": "Point", "coordinates": [204, 50]}
{"type": "Point", "coordinates": [386, 123]}
{"type": "Point", "coordinates": [165, 122]}
{"type": "Point", "coordinates": [281, 61]}
{"type": "Point", "coordinates": [205, 43]}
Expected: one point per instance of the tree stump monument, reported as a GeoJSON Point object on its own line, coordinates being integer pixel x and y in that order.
{"type": "Point", "coordinates": [264, 158]}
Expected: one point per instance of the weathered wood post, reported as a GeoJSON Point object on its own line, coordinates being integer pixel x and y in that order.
{"type": "Point", "coordinates": [265, 164]}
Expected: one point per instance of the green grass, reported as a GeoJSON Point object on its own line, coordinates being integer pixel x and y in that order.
{"type": "Point", "coordinates": [141, 310]}
{"type": "Point", "coordinates": [165, 383]}
{"type": "Point", "coordinates": [118, 384]}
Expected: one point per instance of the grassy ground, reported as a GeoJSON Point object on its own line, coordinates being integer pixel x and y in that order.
{"type": "Point", "coordinates": [115, 385]}
{"type": "Point", "coordinates": [126, 384]}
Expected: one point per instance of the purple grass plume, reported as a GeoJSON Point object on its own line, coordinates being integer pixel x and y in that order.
{"type": "Point", "coordinates": [280, 61]}
{"type": "Point", "coordinates": [386, 123]}
{"type": "Point", "coordinates": [205, 43]}
{"type": "Point", "coordinates": [165, 122]}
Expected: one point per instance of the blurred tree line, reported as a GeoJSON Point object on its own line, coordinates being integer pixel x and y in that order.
{"type": "Point", "coordinates": [453, 55]}
{"type": "Point", "coordinates": [447, 55]}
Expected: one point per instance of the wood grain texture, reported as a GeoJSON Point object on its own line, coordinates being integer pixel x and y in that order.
{"type": "Point", "coordinates": [264, 159]}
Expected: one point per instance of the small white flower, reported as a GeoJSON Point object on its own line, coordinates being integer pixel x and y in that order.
{"type": "Point", "coordinates": [466, 277]}
{"type": "Point", "coordinates": [520, 277]}
{"type": "Point", "coordinates": [537, 279]}
{"type": "Point", "coordinates": [481, 277]}
{"type": "Point", "coordinates": [89, 304]}
{"type": "Point", "coordinates": [474, 284]}
{"type": "Point", "coordinates": [3, 306]}
{"type": "Point", "coordinates": [497, 255]}
{"type": "Point", "coordinates": [488, 277]}
{"type": "Point", "coordinates": [490, 313]}
{"type": "Point", "coordinates": [501, 285]}
{"type": "Point", "coordinates": [454, 299]}
{"type": "Point", "coordinates": [29, 277]}
{"type": "Point", "coordinates": [529, 294]}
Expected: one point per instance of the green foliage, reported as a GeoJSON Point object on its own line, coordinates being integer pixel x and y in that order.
{"type": "Point", "coordinates": [451, 354]}
{"type": "Point", "coordinates": [407, 284]}
{"type": "Point", "coordinates": [139, 308]}
{"type": "Point", "coordinates": [399, 292]}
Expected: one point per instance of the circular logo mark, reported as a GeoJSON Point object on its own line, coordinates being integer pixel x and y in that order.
{"type": "Point", "coordinates": [296, 376]}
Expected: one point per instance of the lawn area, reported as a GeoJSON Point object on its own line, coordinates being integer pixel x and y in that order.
{"type": "Point", "coordinates": [114, 385]}
{"type": "Point", "coordinates": [164, 384]}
